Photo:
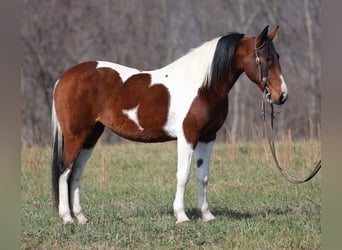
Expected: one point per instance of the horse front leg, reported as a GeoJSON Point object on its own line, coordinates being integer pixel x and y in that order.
{"type": "Point", "coordinates": [184, 151]}
{"type": "Point", "coordinates": [202, 155]}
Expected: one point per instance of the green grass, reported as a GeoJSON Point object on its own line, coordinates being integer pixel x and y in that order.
{"type": "Point", "coordinates": [127, 193]}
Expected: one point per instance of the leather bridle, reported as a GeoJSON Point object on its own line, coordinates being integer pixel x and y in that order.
{"type": "Point", "coordinates": [263, 73]}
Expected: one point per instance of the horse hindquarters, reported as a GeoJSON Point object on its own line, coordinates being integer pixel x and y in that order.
{"type": "Point", "coordinates": [75, 134]}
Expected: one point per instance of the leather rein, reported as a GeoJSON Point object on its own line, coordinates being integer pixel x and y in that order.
{"type": "Point", "coordinates": [269, 129]}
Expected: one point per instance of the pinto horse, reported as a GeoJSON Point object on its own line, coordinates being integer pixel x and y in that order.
{"type": "Point", "coordinates": [186, 101]}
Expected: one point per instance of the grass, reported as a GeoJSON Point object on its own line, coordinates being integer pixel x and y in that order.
{"type": "Point", "coordinates": [127, 193]}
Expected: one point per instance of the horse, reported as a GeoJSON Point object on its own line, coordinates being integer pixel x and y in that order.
{"type": "Point", "coordinates": [186, 101]}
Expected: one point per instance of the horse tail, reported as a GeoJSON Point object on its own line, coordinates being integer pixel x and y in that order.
{"type": "Point", "coordinates": [57, 167]}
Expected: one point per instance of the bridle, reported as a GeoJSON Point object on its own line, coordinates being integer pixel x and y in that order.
{"type": "Point", "coordinates": [263, 73]}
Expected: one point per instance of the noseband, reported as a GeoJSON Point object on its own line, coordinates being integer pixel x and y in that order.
{"type": "Point", "coordinates": [263, 73]}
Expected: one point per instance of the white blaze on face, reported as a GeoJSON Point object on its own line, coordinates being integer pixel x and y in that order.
{"type": "Point", "coordinates": [283, 86]}
{"type": "Point", "coordinates": [132, 114]}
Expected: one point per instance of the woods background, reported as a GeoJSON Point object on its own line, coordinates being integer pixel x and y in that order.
{"type": "Point", "coordinates": [149, 34]}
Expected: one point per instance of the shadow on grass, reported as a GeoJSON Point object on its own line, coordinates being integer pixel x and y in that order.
{"type": "Point", "coordinates": [235, 214]}
{"type": "Point", "coordinates": [194, 213]}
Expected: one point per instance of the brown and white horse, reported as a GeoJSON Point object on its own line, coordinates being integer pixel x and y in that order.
{"type": "Point", "coordinates": [186, 101]}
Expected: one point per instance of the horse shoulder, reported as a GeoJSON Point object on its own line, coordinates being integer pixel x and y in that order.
{"type": "Point", "coordinates": [205, 117]}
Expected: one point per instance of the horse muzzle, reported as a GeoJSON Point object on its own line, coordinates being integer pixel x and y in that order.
{"type": "Point", "coordinates": [270, 98]}
{"type": "Point", "coordinates": [282, 98]}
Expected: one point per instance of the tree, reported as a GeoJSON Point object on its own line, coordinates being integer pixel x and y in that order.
{"type": "Point", "coordinates": [150, 34]}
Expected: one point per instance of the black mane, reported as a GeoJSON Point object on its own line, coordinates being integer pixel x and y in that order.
{"type": "Point", "coordinates": [224, 54]}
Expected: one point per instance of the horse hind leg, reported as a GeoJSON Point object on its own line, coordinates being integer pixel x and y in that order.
{"type": "Point", "coordinates": [63, 206]}
{"type": "Point", "coordinates": [74, 182]}
{"type": "Point", "coordinates": [79, 165]}
{"type": "Point", "coordinates": [71, 149]}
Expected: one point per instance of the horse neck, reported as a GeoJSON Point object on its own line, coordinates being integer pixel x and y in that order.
{"type": "Point", "coordinates": [221, 87]}
{"type": "Point", "coordinates": [227, 65]}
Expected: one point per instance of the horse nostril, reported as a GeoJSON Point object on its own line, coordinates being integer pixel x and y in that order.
{"type": "Point", "coordinates": [282, 98]}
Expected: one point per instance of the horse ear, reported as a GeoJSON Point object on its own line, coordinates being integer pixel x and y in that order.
{"type": "Point", "coordinates": [262, 37]}
{"type": "Point", "coordinates": [272, 34]}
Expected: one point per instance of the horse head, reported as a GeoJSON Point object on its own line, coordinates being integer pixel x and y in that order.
{"type": "Point", "coordinates": [261, 65]}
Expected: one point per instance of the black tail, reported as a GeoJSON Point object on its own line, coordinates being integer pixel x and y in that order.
{"type": "Point", "coordinates": [57, 166]}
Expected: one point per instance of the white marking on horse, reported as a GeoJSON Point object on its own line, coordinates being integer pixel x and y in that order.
{"type": "Point", "coordinates": [132, 114]}
{"type": "Point", "coordinates": [63, 208]}
{"type": "Point", "coordinates": [283, 85]}
{"type": "Point", "coordinates": [183, 81]}
{"type": "Point", "coordinates": [124, 72]}
{"type": "Point", "coordinates": [184, 152]}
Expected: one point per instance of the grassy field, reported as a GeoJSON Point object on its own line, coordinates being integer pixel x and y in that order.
{"type": "Point", "coordinates": [128, 190]}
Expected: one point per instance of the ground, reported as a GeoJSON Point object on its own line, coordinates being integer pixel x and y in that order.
{"type": "Point", "coordinates": [127, 193]}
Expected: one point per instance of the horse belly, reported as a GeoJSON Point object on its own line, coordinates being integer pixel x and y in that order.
{"type": "Point", "coordinates": [150, 135]}
{"type": "Point", "coordinates": [138, 124]}
{"type": "Point", "coordinates": [140, 110]}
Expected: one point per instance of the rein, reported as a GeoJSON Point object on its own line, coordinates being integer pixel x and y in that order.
{"type": "Point", "coordinates": [269, 129]}
{"type": "Point", "coordinates": [270, 138]}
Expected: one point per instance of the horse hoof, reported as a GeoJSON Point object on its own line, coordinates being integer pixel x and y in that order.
{"type": "Point", "coordinates": [208, 217]}
{"type": "Point", "coordinates": [67, 220]}
{"type": "Point", "coordinates": [81, 219]}
{"type": "Point", "coordinates": [183, 222]}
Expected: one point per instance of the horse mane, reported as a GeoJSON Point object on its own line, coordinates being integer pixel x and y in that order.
{"type": "Point", "coordinates": [223, 57]}
{"type": "Point", "coordinates": [224, 54]}
{"type": "Point", "coordinates": [208, 62]}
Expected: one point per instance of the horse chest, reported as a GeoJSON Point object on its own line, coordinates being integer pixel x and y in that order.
{"type": "Point", "coordinates": [205, 118]}
{"type": "Point", "coordinates": [215, 121]}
